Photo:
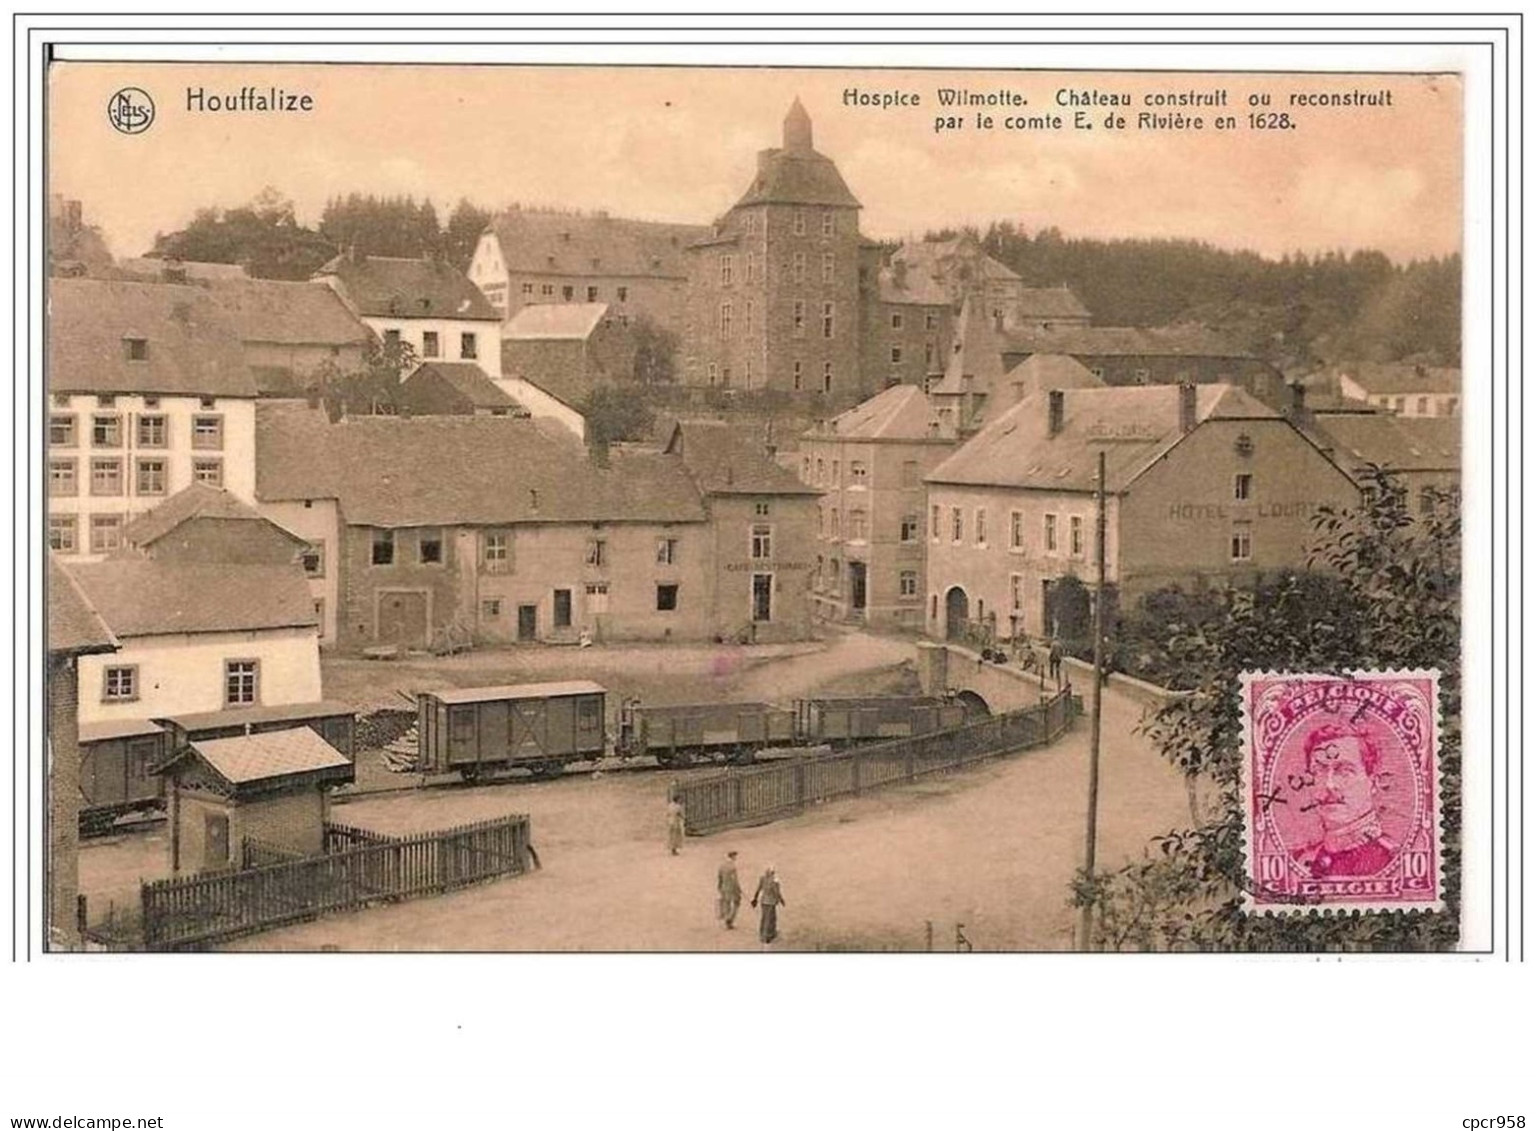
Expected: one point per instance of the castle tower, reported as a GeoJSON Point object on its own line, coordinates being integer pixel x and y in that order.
{"type": "Point", "coordinates": [797, 129]}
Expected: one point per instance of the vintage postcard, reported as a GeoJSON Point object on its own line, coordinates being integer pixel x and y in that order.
{"type": "Point", "coordinates": [637, 508]}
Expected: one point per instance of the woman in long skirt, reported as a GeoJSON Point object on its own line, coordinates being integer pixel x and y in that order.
{"type": "Point", "coordinates": [770, 897]}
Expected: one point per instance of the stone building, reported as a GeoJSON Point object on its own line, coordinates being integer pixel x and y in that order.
{"type": "Point", "coordinates": [566, 350]}
{"type": "Point", "coordinates": [906, 326]}
{"type": "Point", "coordinates": [773, 292]}
{"type": "Point", "coordinates": [292, 333]}
{"type": "Point", "coordinates": [1205, 485]}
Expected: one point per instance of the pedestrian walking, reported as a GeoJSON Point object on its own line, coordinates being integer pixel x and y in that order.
{"type": "Point", "coordinates": [675, 827]}
{"type": "Point", "coordinates": [1054, 659]}
{"type": "Point", "coordinates": [770, 897]}
{"type": "Point", "coordinates": [728, 891]}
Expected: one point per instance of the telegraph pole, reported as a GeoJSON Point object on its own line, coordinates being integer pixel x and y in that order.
{"type": "Point", "coordinates": [1090, 849]}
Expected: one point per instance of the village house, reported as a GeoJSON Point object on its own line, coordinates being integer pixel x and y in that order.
{"type": "Point", "coordinates": [1205, 485]}
{"type": "Point", "coordinates": [75, 630]}
{"type": "Point", "coordinates": [1401, 388]}
{"type": "Point", "coordinates": [292, 334]}
{"type": "Point", "coordinates": [636, 268]}
{"type": "Point", "coordinates": [564, 351]}
{"type": "Point", "coordinates": [869, 464]}
{"type": "Point", "coordinates": [424, 303]}
{"type": "Point", "coordinates": [1423, 453]}
{"type": "Point", "coordinates": [149, 392]}
{"type": "Point", "coordinates": [454, 388]}
{"type": "Point", "coordinates": [773, 294]}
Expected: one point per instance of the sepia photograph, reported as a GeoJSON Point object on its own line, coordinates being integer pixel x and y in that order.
{"type": "Point", "coordinates": [753, 509]}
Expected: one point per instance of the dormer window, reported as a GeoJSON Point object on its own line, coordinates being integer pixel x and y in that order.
{"type": "Point", "coordinates": [136, 349]}
{"type": "Point", "coordinates": [206, 402]}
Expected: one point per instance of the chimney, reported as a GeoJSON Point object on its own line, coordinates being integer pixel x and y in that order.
{"type": "Point", "coordinates": [1058, 411]}
{"type": "Point", "coordinates": [533, 499]}
{"type": "Point", "coordinates": [1298, 400]}
{"type": "Point", "coordinates": [1186, 407]}
{"type": "Point", "coordinates": [899, 272]}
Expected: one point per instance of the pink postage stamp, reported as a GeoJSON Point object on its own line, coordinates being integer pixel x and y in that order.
{"type": "Point", "coordinates": [1342, 789]}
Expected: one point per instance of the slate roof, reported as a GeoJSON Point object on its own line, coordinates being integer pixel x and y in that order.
{"type": "Point", "coordinates": [74, 625]}
{"type": "Point", "coordinates": [265, 310]}
{"type": "Point", "coordinates": [732, 459]}
{"type": "Point", "coordinates": [554, 243]}
{"type": "Point", "coordinates": [1397, 443]}
{"type": "Point", "coordinates": [1400, 378]}
{"type": "Point", "coordinates": [153, 270]}
{"type": "Point", "coordinates": [976, 352]}
{"type": "Point", "coordinates": [790, 176]}
{"type": "Point", "coordinates": [1122, 341]}
{"type": "Point", "coordinates": [196, 501]}
{"type": "Point", "coordinates": [1051, 302]}
{"type": "Point", "coordinates": [270, 754]}
{"type": "Point", "coordinates": [468, 379]}
{"type": "Point", "coordinates": [901, 412]}
{"type": "Point", "coordinates": [566, 320]}
{"type": "Point", "coordinates": [911, 288]}
{"type": "Point", "coordinates": [461, 470]}
{"type": "Point", "coordinates": [937, 258]}
{"type": "Point", "coordinates": [1133, 425]}
{"type": "Point", "coordinates": [377, 286]}
{"type": "Point", "coordinates": [1044, 371]}
{"type": "Point", "coordinates": [195, 721]}
{"type": "Point", "coordinates": [193, 346]}
{"type": "Point", "coordinates": [145, 597]}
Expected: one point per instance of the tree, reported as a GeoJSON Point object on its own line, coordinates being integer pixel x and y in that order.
{"type": "Point", "coordinates": [655, 352]}
{"type": "Point", "coordinates": [372, 390]}
{"type": "Point", "coordinates": [615, 413]}
{"type": "Point", "coordinates": [462, 233]}
{"type": "Point", "coordinates": [263, 236]}
{"type": "Point", "coordinates": [373, 225]}
{"type": "Point", "coordinates": [1387, 596]}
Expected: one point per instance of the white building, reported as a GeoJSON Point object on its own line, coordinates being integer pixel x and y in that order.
{"type": "Point", "coordinates": [149, 392]}
{"type": "Point", "coordinates": [1402, 389]}
{"type": "Point", "coordinates": [425, 303]}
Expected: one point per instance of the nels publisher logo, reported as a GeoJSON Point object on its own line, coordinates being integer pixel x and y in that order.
{"type": "Point", "coordinates": [131, 110]}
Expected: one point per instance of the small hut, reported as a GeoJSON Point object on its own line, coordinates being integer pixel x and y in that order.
{"type": "Point", "coordinates": [268, 789]}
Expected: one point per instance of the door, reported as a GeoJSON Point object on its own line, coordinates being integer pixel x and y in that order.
{"type": "Point", "coordinates": [562, 608]}
{"type": "Point", "coordinates": [762, 597]}
{"type": "Point", "coordinates": [215, 841]}
{"type": "Point", "coordinates": [403, 619]}
{"type": "Point", "coordinates": [858, 579]}
{"type": "Point", "coordinates": [956, 611]}
{"type": "Point", "coordinates": [527, 622]}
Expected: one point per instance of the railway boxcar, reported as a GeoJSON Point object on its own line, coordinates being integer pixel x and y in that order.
{"type": "Point", "coordinates": [679, 735]}
{"type": "Point", "coordinates": [534, 726]}
{"type": "Point", "coordinates": [116, 771]}
{"type": "Point", "coordinates": [869, 718]}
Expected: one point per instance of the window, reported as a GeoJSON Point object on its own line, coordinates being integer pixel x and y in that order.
{"type": "Point", "coordinates": [799, 221]}
{"type": "Point", "coordinates": [798, 266]}
{"type": "Point", "coordinates": [120, 684]}
{"type": "Point", "coordinates": [61, 431]}
{"type": "Point", "coordinates": [666, 598]}
{"type": "Point", "coordinates": [62, 533]}
{"type": "Point", "coordinates": [751, 268]}
{"type": "Point", "coordinates": [725, 320]}
{"type": "Point", "coordinates": [713, 373]}
{"type": "Point", "coordinates": [828, 267]}
{"type": "Point", "coordinates": [826, 319]}
{"type": "Point", "coordinates": [136, 349]}
{"type": "Point", "coordinates": [490, 608]}
{"type": "Point", "coordinates": [106, 533]}
{"type": "Point", "coordinates": [828, 222]}
{"type": "Point", "coordinates": [799, 318]}
{"type": "Point", "coordinates": [1016, 591]}
{"type": "Point", "coordinates": [837, 576]}
{"type": "Point", "coordinates": [1050, 534]}
{"type": "Point", "coordinates": [746, 325]}
{"type": "Point", "coordinates": [933, 522]}
{"type": "Point", "coordinates": [469, 347]}
{"type": "Point", "coordinates": [106, 432]}
{"type": "Point", "coordinates": [826, 376]}
{"type": "Point", "coordinates": [429, 345]}
{"type": "Point", "coordinates": [956, 524]}
{"type": "Point", "coordinates": [837, 472]}
{"type": "Point", "coordinates": [1015, 530]}
{"type": "Point", "coordinates": [1075, 534]}
{"type": "Point", "coordinates": [727, 264]}
{"type": "Point", "coordinates": [623, 294]}
{"type": "Point", "coordinates": [429, 546]}
{"type": "Point", "coordinates": [909, 583]}
{"type": "Point", "coordinates": [837, 522]}
{"type": "Point", "coordinates": [527, 290]}
{"type": "Point", "coordinates": [762, 542]}
{"type": "Point", "coordinates": [209, 472]}
{"type": "Point", "coordinates": [896, 320]}
{"type": "Point", "coordinates": [208, 433]}
{"type": "Point", "coordinates": [597, 552]}
{"type": "Point", "coordinates": [805, 469]}
{"type": "Point", "coordinates": [383, 548]}
{"type": "Point", "coordinates": [821, 470]}
{"type": "Point", "coordinates": [597, 597]}
{"type": "Point", "coordinates": [562, 608]}
{"type": "Point", "coordinates": [858, 525]}
{"type": "Point", "coordinates": [1423, 406]}
{"type": "Point", "coordinates": [1242, 541]}
{"type": "Point", "coordinates": [931, 320]}
{"type": "Point", "coordinates": [858, 471]}
{"type": "Point", "coordinates": [391, 339]}
{"type": "Point", "coordinates": [666, 551]}
{"type": "Point", "coordinates": [1400, 405]}
{"type": "Point", "coordinates": [929, 349]}
{"type": "Point", "coordinates": [495, 551]}
{"type": "Point", "coordinates": [895, 355]}
{"type": "Point", "coordinates": [591, 294]}
{"type": "Point", "coordinates": [1242, 486]}
{"type": "Point", "coordinates": [152, 431]}
{"type": "Point", "coordinates": [568, 293]}
{"type": "Point", "coordinates": [725, 376]}
{"type": "Point", "coordinates": [547, 290]}
{"type": "Point", "coordinates": [240, 682]}
{"type": "Point", "coordinates": [981, 526]}
{"type": "Point", "coordinates": [760, 509]}
{"type": "Point", "coordinates": [1142, 375]}
{"type": "Point", "coordinates": [933, 607]}
{"type": "Point", "coordinates": [61, 478]}
{"type": "Point", "coordinates": [910, 527]}
{"type": "Point", "coordinates": [106, 477]}
{"type": "Point", "coordinates": [151, 477]}
{"type": "Point", "coordinates": [312, 558]}
{"type": "Point", "coordinates": [799, 376]}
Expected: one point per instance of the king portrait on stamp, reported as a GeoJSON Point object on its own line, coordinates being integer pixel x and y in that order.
{"type": "Point", "coordinates": [1342, 793]}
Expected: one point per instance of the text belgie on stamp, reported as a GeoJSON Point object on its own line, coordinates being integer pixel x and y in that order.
{"type": "Point", "coordinates": [1342, 792]}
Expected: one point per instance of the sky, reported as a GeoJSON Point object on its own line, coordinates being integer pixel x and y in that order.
{"type": "Point", "coordinates": [680, 144]}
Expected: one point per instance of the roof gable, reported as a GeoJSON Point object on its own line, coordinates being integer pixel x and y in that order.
{"type": "Point", "coordinates": [196, 501]}
{"type": "Point", "coordinates": [732, 459]}
{"type": "Point", "coordinates": [901, 412]}
{"type": "Point", "coordinates": [272, 758]}
{"type": "Point", "coordinates": [149, 597]}
{"type": "Point", "coordinates": [466, 379]}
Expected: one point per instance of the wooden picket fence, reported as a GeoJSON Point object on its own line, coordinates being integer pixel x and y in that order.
{"type": "Point", "coordinates": [358, 868]}
{"type": "Point", "coordinates": [767, 793]}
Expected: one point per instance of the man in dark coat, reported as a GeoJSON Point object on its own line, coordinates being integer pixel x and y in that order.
{"type": "Point", "coordinates": [770, 897]}
{"type": "Point", "coordinates": [1054, 659]}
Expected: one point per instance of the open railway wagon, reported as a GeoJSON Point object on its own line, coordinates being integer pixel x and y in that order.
{"type": "Point", "coordinates": [837, 722]}
{"type": "Point", "coordinates": [533, 726]}
{"type": "Point", "coordinates": [701, 732]}
{"type": "Point", "coordinates": [118, 759]}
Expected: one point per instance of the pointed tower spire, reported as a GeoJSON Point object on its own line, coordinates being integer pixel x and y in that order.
{"type": "Point", "coordinates": [797, 127]}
